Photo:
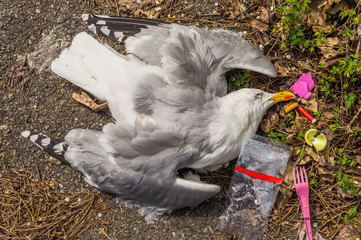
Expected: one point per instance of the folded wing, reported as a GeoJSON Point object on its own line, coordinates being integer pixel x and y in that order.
{"type": "Point", "coordinates": [139, 165]}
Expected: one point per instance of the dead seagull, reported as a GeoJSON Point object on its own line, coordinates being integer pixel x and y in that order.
{"type": "Point", "coordinates": [168, 98]}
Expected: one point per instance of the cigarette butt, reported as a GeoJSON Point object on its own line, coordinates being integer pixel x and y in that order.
{"type": "Point", "coordinates": [291, 107]}
{"type": "Point", "coordinates": [306, 114]}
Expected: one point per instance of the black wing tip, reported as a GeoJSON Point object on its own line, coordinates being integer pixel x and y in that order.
{"type": "Point", "coordinates": [131, 20]}
{"type": "Point", "coordinates": [55, 148]}
{"type": "Point", "coordinates": [118, 28]}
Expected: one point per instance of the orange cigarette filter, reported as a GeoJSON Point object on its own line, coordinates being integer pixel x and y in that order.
{"type": "Point", "coordinates": [291, 107]}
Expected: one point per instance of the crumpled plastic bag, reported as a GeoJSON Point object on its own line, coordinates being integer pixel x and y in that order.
{"type": "Point", "coordinates": [250, 199]}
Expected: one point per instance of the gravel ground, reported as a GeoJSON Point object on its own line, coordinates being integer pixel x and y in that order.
{"type": "Point", "coordinates": [39, 30]}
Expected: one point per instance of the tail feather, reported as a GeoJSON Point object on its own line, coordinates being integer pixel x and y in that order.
{"type": "Point", "coordinates": [89, 64]}
{"type": "Point", "coordinates": [55, 148]}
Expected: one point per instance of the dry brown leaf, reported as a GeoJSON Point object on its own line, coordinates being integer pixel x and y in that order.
{"type": "Point", "coordinates": [313, 105]}
{"type": "Point", "coordinates": [305, 64]}
{"type": "Point", "coordinates": [270, 122]}
{"type": "Point", "coordinates": [259, 25]}
{"type": "Point", "coordinates": [329, 53]}
{"type": "Point", "coordinates": [290, 138]}
{"type": "Point", "coordinates": [329, 49]}
{"type": "Point", "coordinates": [316, 18]}
{"type": "Point", "coordinates": [282, 71]}
{"type": "Point", "coordinates": [302, 232]}
{"type": "Point", "coordinates": [353, 171]}
{"type": "Point", "coordinates": [322, 106]}
{"type": "Point", "coordinates": [305, 160]}
{"type": "Point", "coordinates": [325, 171]}
{"type": "Point", "coordinates": [264, 15]}
{"type": "Point", "coordinates": [330, 161]}
{"type": "Point", "coordinates": [304, 101]}
{"type": "Point", "coordinates": [332, 41]}
{"type": "Point", "coordinates": [287, 184]}
{"type": "Point", "coordinates": [328, 114]}
{"type": "Point", "coordinates": [296, 151]}
{"type": "Point", "coordinates": [310, 152]}
{"type": "Point", "coordinates": [301, 121]}
{"type": "Point", "coordinates": [348, 232]}
{"type": "Point", "coordinates": [326, 174]}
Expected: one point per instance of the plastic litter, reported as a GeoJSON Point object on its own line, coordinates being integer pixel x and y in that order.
{"type": "Point", "coordinates": [251, 198]}
{"type": "Point", "coordinates": [306, 114]}
{"type": "Point", "coordinates": [303, 86]}
{"type": "Point", "coordinates": [291, 107]}
{"type": "Point", "coordinates": [302, 110]}
{"type": "Point", "coordinates": [302, 190]}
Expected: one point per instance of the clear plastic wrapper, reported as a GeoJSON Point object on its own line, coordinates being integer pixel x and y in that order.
{"type": "Point", "coordinates": [250, 199]}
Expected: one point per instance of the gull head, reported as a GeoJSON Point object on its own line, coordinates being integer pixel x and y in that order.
{"type": "Point", "coordinates": [249, 106]}
{"type": "Point", "coordinates": [258, 100]}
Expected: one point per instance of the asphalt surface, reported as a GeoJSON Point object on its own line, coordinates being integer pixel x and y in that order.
{"type": "Point", "coordinates": [39, 30]}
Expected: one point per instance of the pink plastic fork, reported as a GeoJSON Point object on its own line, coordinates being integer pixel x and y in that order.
{"type": "Point", "coordinates": [301, 184]}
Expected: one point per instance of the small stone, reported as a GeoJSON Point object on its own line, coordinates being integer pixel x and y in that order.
{"type": "Point", "coordinates": [314, 224]}
{"type": "Point", "coordinates": [53, 160]}
{"type": "Point", "coordinates": [304, 101]}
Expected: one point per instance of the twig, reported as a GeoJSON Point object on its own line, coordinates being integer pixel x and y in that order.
{"type": "Point", "coordinates": [348, 127]}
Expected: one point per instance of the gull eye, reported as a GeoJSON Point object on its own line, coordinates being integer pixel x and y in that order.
{"type": "Point", "coordinates": [258, 95]}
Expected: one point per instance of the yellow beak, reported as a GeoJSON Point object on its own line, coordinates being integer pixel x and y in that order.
{"type": "Point", "coordinates": [283, 96]}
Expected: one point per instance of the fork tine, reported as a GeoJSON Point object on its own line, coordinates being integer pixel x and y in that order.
{"type": "Point", "coordinates": [302, 175]}
{"type": "Point", "coordinates": [304, 170]}
{"type": "Point", "coordinates": [298, 175]}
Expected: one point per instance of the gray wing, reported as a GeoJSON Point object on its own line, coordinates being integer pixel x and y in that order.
{"type": "Point", "coordinates": [139, 165]}
{"type": "Point", "coordinates": [191, 56]}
